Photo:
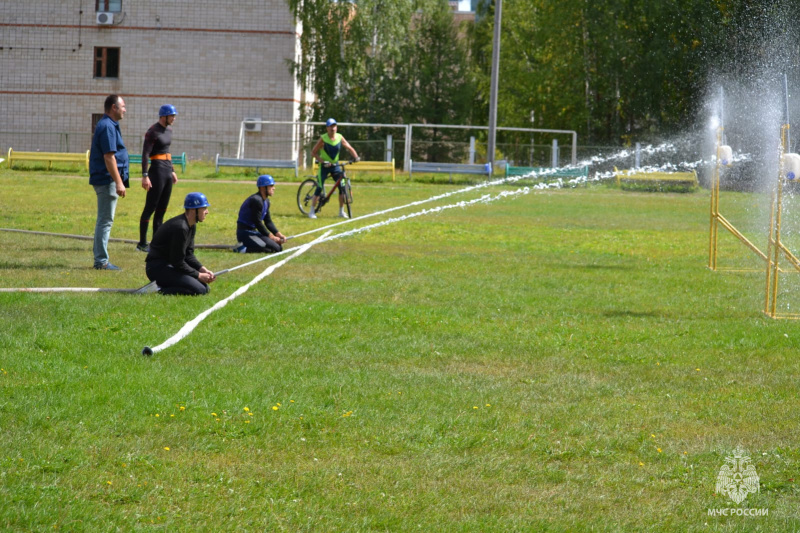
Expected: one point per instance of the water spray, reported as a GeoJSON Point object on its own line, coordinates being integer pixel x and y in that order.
{"type": "Point", "coordinates": [789, 170]}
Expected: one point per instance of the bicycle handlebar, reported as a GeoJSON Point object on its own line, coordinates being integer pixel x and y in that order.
{"type": "Point", "coordinates": [341, 163]}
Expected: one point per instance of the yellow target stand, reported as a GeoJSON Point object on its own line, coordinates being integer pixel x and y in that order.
{"type": "Point", "coordinates": [789, 164]}
{"type": "Point", "coordinates": [724, 155]}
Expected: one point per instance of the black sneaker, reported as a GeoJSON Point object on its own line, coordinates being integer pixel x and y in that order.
{"type": "Point", "coordinates": [143, 247]}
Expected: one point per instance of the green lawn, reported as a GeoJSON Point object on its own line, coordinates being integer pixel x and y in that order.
{"type": "Point", "coordinates": [559, 361]}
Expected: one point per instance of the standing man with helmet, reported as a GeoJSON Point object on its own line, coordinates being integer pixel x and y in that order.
{"type": "Point", "coordinates": [158, 181]}
{"type": "Point", "coordinates": [108, 174]}
{"type": "Point", "coordinates": [171, 262]}
{"type": "Point", "coordinates": [327, 152]}
{"type": "Point", "coordinates": [255, 230]}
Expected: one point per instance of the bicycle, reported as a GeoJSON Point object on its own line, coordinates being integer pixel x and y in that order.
{"type": "Point", "coordinates": [307, 189]}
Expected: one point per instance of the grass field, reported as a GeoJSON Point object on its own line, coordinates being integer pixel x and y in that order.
{"type": "Point", "coordinates": [560, 361]}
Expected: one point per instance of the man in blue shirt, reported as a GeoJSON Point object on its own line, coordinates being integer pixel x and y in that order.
{"type": "Point", "coordinates": [108, 172]}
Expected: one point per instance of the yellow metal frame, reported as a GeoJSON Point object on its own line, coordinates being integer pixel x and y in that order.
{"type": "Point", "coordinates": [49, 157]}
{"type": "Point", "coordinates": [776, 248]}
{"type": "Point", "coordinates": [718, 220]}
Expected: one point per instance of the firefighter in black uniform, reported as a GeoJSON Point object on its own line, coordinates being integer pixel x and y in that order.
{"type": "Point", "coordinates": [160, 178]}
{"type": "Point", "coordinates": [171, 262]}
{"type": "Point", "coordinates": [255, 230]}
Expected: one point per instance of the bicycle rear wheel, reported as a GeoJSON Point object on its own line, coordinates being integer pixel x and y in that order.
{"type": "Point", "coordinates": [304, 195]}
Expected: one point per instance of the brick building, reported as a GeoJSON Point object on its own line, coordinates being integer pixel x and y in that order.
{"type": "Point", "coordinates": [217, 62]}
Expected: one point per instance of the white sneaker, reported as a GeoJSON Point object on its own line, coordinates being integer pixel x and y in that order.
{"type": "Point", "coordinates": [312, 215]}
{"type": "Point", "coordinates": [240, 248]}
{"type": "Point", "coordinates": [342, 214]}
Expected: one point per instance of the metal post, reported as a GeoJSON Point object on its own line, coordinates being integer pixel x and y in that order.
{"type": "Point", "coordinates": [389, 149]}
{"type": "Point", "coordinates": [554, 162]}
{"type": "Point", "coordinates": [786, 111]}
{"type": "Point", "coordinates": [407, 157]}
{"type": "Point", "coordinates": [498, 8]}
{"type": "Point", "coordinates": [472, 150]}
{"type": "Point", "coordinates": [638, 158]}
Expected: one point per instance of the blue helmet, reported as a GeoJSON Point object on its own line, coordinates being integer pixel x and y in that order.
{"type": "Point", "coordinates": [195, 200]}
{"type": "Point", "coordinates": [166, 110]}
{"type": "Point", "coordinates": [330, 122]}
{"type": "Point", "coordinates": [265, 180]}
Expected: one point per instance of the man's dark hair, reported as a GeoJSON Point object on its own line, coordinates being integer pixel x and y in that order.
{"type": "Point", "coordinates": [110, 101]}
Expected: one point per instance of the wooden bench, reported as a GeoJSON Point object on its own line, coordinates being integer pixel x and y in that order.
{"type": "Point", "coordinates": [136, 159]}
{"type": "Point", "coordinates": [450, 168]}
{"type": "Point", "coordinates": [546, 173]}
{"type": "Point", "coordinates": [364, 166]}
{"type": "Point", "coordinates": [255, 163]}
{"type": "Point", "coordinates": [687, 179]}
{"type": "Point", "coordinates": [60, 157]}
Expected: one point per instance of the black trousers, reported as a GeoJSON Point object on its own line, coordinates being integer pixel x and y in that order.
{"type": "Point", "coordinates": [157, 200]}
{"type": "Point", "coordinates": [170, 281]}
{"type": "Point", "coordinates": [257, 243]}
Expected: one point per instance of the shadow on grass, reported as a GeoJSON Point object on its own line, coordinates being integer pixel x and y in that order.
{"type": "Point", "coordinates": [597, 267]}
{"type": "Point", "coordinates": [23, 266]}
{"type": "Point", "coordinates": [634, 314]}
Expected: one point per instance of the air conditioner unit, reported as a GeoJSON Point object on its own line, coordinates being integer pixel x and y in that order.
{"type": "Point", "coordinates": [252, 126]}
{"type": "Point", "coordinates": [105, 18]}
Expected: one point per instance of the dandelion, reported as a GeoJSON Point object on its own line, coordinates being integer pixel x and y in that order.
{"type": "Point", "coordinates": [108, 482]}
{"type": "Point", "coordinates": [250, 414]}
{"type": "Point", "coordinates": [246, 409]}
{"type": "Point", "coordinates": [652, 435]}
{"type": "Point", "coordinates": [488, 405]}
{"type": "Point", "coordinates": [685, 453]}
{"type": "Point", "coordinates": [348, 413]}
{"type": "Point", "coordinates": [166, 448]}
{"type": "Point", "coordinates": [279, 404]}
{"type": "Point", "coordinates": [246, 421]}
{"type": "Point", "coordinates": [274, 407]}
{"type": "Point", "coordinates": [291, 401]}
{"type": "Point", "coordinates": [172, 416]}
{"type": "Point", "coordinates": [157, 415]}
{"type": "Point", "coordinates": [474, 406]}
{"type": "Point", "coordinates": [183, 408]}
{"type": "Point", "coordinates": [641, 463]}
{"type": "Point", "coordinates": [214, 414]}
{"type": "Point", "coordinates": [697, 369]}
{"type": "Point", "coordinates": [659, 450]}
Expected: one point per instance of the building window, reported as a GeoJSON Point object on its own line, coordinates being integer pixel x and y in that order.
{"type": "Point", "coordinates": [109, 6]}
{"type": "Point", "coordinates": [95, 119]}
{"type": "Point", "coordinates": [106, 62]}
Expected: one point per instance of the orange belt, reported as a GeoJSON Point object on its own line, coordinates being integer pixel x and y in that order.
{"type": "Point", "coordinates": [163, 157]}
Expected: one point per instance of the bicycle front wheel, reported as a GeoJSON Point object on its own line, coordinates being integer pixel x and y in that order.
{"type": "Point", "coordinates": [348, 196]}
{"type": "Point", "coordinates": [304, 195]}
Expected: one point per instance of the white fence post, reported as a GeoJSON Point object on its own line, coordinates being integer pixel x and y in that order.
{"type": "Point", "coordinates": [555, 154]}
{"type": "Point", "coordinates": [472, 150]}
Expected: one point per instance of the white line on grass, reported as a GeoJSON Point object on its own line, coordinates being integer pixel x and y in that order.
{"type": "Point", "coordinates": [189, 326]}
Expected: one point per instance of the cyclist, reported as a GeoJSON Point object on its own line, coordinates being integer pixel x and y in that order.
{"type": "Point", "coordinates": [327, 152]}
{"type": "Point", "coordinates": [255, 230]}
{"type": "Point", "coordinates": [171, 262]}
